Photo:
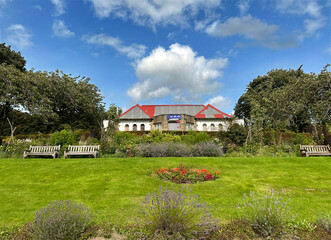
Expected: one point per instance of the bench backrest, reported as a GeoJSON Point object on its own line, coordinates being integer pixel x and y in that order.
{"type": "Point", "coordinates": [44, 149]}
{"type": "Point", "coordinates": [83, 148]}
{"type": "Point", "coordinates": [315, 148]}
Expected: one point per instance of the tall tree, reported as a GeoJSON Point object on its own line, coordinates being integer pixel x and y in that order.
{"type": "Point", "coordinates": [289, 99]}
{"type": "Point", "coordinates": [10, 57]}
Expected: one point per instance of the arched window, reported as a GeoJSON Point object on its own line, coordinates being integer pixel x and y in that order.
{"type": "Point", "coordinates": [204, 127]}
{"type": "Point", "coordinates": [134, 127]}
{"type": "Point", "coordinates": [126, 127]}
{"type": "Point", "coordinates": [220, 127]}
{"type": "Point", "coordinates": [142, 127]}
{"type": "Point", "coordinates": [212, 127]}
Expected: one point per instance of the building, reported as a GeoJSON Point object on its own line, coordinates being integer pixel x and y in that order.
{"type": "Point", "coordinates": [174, 118]}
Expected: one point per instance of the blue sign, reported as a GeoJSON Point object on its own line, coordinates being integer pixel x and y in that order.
{"type": "Point", "coordinates": [174, 117]}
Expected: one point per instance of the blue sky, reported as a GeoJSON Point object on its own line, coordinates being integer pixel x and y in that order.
{"type": "Point", "coordinates": [169, 51]}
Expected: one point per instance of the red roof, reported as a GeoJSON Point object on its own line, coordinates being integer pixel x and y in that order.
{"type": "Point", "coordinates": [189, 109]}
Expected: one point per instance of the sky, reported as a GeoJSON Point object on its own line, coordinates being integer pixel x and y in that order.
{"type": "Point", "coordinates": [169, 51]}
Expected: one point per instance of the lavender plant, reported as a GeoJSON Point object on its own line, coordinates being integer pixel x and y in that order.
{"type": "Point", "coordinates": [268, 214]}
{"type": "Point", "coordinates": [175, 214]}
{"type": "Point", "coordinates": [61, 220]}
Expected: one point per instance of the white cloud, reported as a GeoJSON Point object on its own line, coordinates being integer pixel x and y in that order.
{"type": "Point", "coordinates": [133, 51]}
{"type": "Point", "coordinates": [18, 36]}
{"type": "Point", "coordinates": [178, 73]}
{"type": "Point", "coordinates": [152, 12]}
{"type": "Point", "coordinates": [219, 102]}
{"type": "Point", "coordinates": [312, 25]}
{"type": "Point", "coordinates": [248, 26]}
{"type": "Point", "coordinates": [243, 6]}
{"type": "Point", "coordinates": [301, 7]}
{"type": "Point", "coordinates": [59, 7]}
{"type": "Point", "coordinates": [61, 30]}
{"type": "Point", "coordinates": [38, 7]}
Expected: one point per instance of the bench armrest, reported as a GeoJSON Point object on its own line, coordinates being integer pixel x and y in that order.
{"type": "Point", "coordinates": [27, 150]}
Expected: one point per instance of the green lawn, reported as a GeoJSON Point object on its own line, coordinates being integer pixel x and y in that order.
{"type": "Point", "coordinates": [113, 188]}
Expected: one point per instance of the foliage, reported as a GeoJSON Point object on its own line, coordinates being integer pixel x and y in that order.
{"type": "Point", "coordinates": [325, 223]}
{"type": "Point", "coordinates": [112, 115]}
{"type": "Point", "coordinates": [193, 137]}
{"type": "Point", "coordinates": [165, 149]}
{"type": "Point", "coordinates": [63, 138]}
{"type": "Point", "coordinates": [206, 149]}
{"type": "Point", "coordinates": [184, 175]}
{"type": "Point", "coordinates": [172, 149]}
{"type": "Point", "coordinates": [10, 57]}
{"type": "Point", "coordinates": [61, 220]}
{"type": "Point", "coordinates": [287, 99]}
{"type": "Point", "coordinates": [175, 214]}
{"type": "Point", "coordinates": [48, 98]}
{"type": "Point", "coordinates": [268, 214]}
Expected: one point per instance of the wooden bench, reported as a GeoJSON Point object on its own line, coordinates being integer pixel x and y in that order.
{"type": "Point", "coordinates": [315, 150]}
{"type": "Point", "coordinates": [82, 151]}
{"type": "Point", "coordinates": [53, 151]}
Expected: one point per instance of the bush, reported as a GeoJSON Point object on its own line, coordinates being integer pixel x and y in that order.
{"type": "Point", "coordinates": [61, 220]}
{"type": "Point", "coordinates": [325, 223]}
{"type": "Point", "coordinates": [63, 138]}
{"type": "Point", "coordinates": [268, 214]}
{"type": "Point", "coordinates": [193, 137]}
{"type": "Point", "coordinates": [166, 149]}
{"type": "Point", "coordinates": [170, 214]}
{"type": "Point", "coordinates": [207, 149]}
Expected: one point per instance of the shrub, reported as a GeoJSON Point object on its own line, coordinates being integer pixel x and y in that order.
{"type": "Point", "coordinates": [268, 214]}
{"type": "Point", "coordinates": [325, 223]}
{"type": "Point", "coordinates": [166, 149]}
{"type": "Point", "coordinates": [193, 137]}
{"type": "Point", "coordinates": [207, 149]}
{"type": "Point", "coordinates": [63, 138]}
{"type": "Point", "coordinates": [61, 220]}
{"type": "Point", "coordinates": [175, 214]}
{"type": "Point", "coordinates": [184, 175]}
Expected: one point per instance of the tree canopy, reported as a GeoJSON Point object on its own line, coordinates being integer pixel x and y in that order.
{"type": "Point", "coordinates": [54, 98]}
{"type": "Point", "coordinates": [287, 99]}
{"type": "Point", "coordinates": [10, 57]}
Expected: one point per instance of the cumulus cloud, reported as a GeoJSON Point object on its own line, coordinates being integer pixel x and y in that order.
{"type": "Point", "coordinates": [59, 7]}
{"type": "Point", "coordinates": [18, 36]}
{"type": "Point", "coordinates": [133, 51]}
{"type": "Point", "coordinates": [61, 30]}
{"type": "Point", "coordinates": [178, 73]}
{"type": "Point", "coordinates": [152, 11]}
{"type": "Point", "coordinates": [219, 102]}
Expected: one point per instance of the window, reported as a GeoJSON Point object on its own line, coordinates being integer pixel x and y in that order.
{"type": "Point", "coordinates": [126, 127]}
{"type": "Point", "coordinates": [142, 127]}
{"type": "Point", "coordinates": [212, 127]}
{"type": "Point", "coordinates": [134, 127]}
{"type": "Point", "coordinates": [220, 127]}
{"type": "Point", "coordinates": [204, 127]}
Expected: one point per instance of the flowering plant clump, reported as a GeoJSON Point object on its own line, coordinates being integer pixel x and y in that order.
{"type": "Point", "coordinates": [184, 175]}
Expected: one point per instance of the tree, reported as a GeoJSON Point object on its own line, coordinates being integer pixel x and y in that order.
{"type": "Point", "coordinates": [10, 57]}
{"type": "Point", "coordinates": [112, 115]}
{"type": "Point", "coordinates": [287, 99]}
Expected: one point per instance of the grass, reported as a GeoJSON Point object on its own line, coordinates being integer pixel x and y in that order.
{"type": "Point", "coordinates": [114, 188]}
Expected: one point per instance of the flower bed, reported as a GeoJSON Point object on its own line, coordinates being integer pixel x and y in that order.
{"type": "Point", "coordinates": [183, 175]}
